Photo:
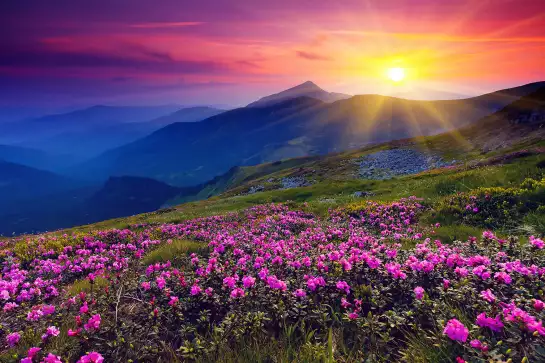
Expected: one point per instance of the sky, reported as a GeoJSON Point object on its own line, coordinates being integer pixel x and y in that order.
{"type": "Point", "coordinates": [65, 53]}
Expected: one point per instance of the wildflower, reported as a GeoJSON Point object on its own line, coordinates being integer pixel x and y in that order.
{"type": "Point", "coordinates": [13, 338]}
{"type": "Point", "coordinates": [477, 344]}
{"type": "Point", "coordinates": [343, 285]}
{"type": "Point", "coordinates": [488, 295]}
{"type": "Point", "coordinates": [539, 305]}
{"type": "Point", "coordinates": [300, 293]}
{"type": "Point", "coordinates": [10, 306]}
{"type": "Point", "coordinates": [455, 330]}
{"type": "Point", "coordinates": [353, 315]}
{"type": "Point", "coordinates": [248, 281]}
{"type": "Point", "coordinates": [92, 357]}
{"type": "Point", "coordinates": [146, 285]}
{"type": "Point", "coordinates": [33, 351]}
{"type": "Point", "coordinates": [230, 282]}
{"type": "Point", "coordinates": [503, 277]}
{"type": "Point", "coordinates": [419, 292]}
{"type": "Point", "coordinates": [84, 308]}
{"type": "Point", "coordinates": [53, 331]}
{"type": "Point", "coordinates": [51, 358]}
{"type": "Point", "coordinates": [195, 290]}
{"type": "Point", "coordinates": [73, 333]}
{"type": "Point", "coordinates": [93, 323]}
{"type": "Point", "coordinates": [537, 243]}
{"type": "Point", "coordinates": [460, 360]}
{"type": "Point", "coordinates": [209, 291]}
{"type": "Point", "coordinates": [237, 292]}
{"type": "Point", "coordinates": [495, 324]}
{"type": "Point", "coordinates": [173, 300]}
{"type": "Point", "coordinates": [446, 284]}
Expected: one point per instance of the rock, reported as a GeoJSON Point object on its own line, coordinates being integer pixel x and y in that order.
{"type": "Point", "coordinates": [360, 194]}
{"type": "Point", "coordinates": [294, 182]}
{"type": "Point", "coordinates": [386, 164]}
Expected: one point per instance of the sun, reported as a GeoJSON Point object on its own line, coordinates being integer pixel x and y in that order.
{"type": "Point", "coordinates": [396, 74]}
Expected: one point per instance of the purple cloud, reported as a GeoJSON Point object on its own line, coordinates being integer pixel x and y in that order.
{"type": "Point", "coordinates": [312, 56]}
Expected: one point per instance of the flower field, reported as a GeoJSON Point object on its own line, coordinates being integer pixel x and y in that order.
{"type": "Point", "coordinates": [366, 283]}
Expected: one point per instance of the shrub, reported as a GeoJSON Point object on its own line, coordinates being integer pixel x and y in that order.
{"type": "Point", "coordinates": [492, 208]}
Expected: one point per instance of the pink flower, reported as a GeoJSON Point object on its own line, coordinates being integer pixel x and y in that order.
{"type": "Point", "coordinates": [248, 281]}
{"type": "Point", "coordinates": [161, 283]}
{"type": "Point", "coordinates": [343, 285]}
{"type": "Point", "coordinates": [495, 324]}
{"type": "Point", "coordinates": [537, 243]}
{"type": "Point", "coordinates": [455, 330]}
{"type": "Point", "coordinates": [446, 284]}
{"type": "Point", "coordinates": [230, 282]}
{"type": "Point", "coordinates": [477, 344]}
{"type": "Point", "coordinates": [84, 308]}
{"type": "Point", "coordinates": [460, 360]}
{"type": "Point", "coordinates": [73, 333]}
{"type": "Point", "coordinates": [539, 305]}
{"type": "Point", "coordinates": [419, 292]}
{"type": "Point", "coordinates": [92, 357]}
{"type": "Point", "coordinates": [13, 338]}
{"type": "Point", "coordinates": [52, 331]}
{"type": "Point", "coordinates": [503, 277]}
{"type": "Point", "coordinates": [195, 290]}
{"type": "Point", "coordinates": [93, 323]}
{"type": "Point", "coordinates": [353, 315]}
{"type": "Point", "coordinates": [146, 285]}
{"type": "Point", "coordinates": [209, 291]}
{"type": "Point", "coordinates": [275, 283]}
{"type": "Point", "coordinates": [488, 295]}
{"type": "Point", "coordinates": [300, 293]}
{"type": "Point", "coordinates": [33, 351]}
{"type": "Point", "coordinates": [51, 358]}
{"type": "Point", "coordinates": [237, 292]}
{"type": "Point", "coordinates": [173, 300]}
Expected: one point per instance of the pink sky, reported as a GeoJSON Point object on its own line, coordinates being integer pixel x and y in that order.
{"type": "Point", "coordinates": [231, 52]}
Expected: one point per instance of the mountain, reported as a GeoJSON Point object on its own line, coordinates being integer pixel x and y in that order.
{"type": "Point", "coordinates": [307, 89]}
{"type": "Point", "coordinates": [35, 158]}
{"type": "Point", "coordinates": [189, 114]}
{"type": "Point", "coordinates": [88, 132]}
{"type": "Point", "coordinates": [22, 182]}
{"type": "Point", "coordinates": [298, 127]}
{"type": "Point", "coordinates": [123, 196]}
{"type": "Point", "coordinates": [520, 121]}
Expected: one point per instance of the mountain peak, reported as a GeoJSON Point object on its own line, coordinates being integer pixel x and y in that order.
{"type": "Point", "coordinates": [306, 89]}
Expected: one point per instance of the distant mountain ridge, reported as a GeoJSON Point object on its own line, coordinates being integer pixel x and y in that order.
{"type": "Point", "coordinates": [126, 195]}
{"type": "Point", "coordinates": [88, 132]}
{"type": "Point", "coordinates": [307, 89]}
{"type": "Point", "coordinates": [185, 154]}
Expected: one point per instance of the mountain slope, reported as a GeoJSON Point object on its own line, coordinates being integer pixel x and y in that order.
{"type": "Point", "coordinates": [293, 128]}
{"type": "Point", "coordinates": [21, 182]}
{"type": "Point", "coordinates": [123, 196]}
{"type": "Point", "coordinates": [307, 89]}
{"type": "Point", "coordinates": [189, 114]}
{"type": "Point", "coordinates": [520, 121]}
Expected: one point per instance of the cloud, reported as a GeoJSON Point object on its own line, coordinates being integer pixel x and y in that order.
{"type": "Point", "coordinates": [312, 56]}
{"type": "Point", "coordinates": [179, 24]}
{"type": "Point", "coordinates": [143, 60]}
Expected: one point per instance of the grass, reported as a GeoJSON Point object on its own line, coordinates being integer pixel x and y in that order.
{"type": "Point", "coordinates": [457, 232]}
{"type": "Point", "coordinates": [172, 252]}
{"type": "Point", "coordinates": [86, 286]}
{"type": "Point", "coordinates": [336, 184]}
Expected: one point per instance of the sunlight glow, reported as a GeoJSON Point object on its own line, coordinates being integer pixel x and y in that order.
{"type": "Point", "coordinates": [396, 74]}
